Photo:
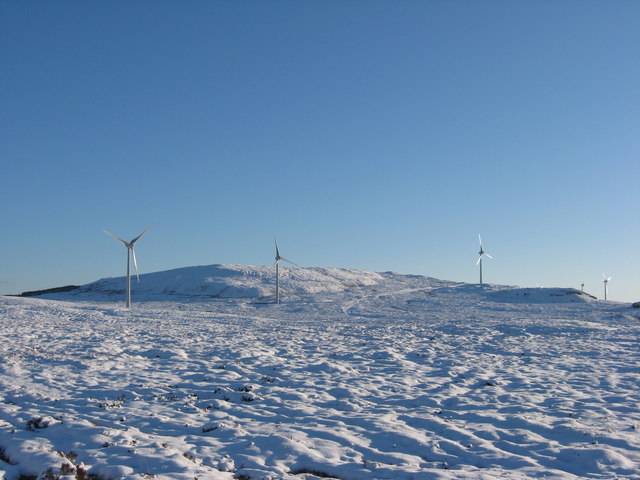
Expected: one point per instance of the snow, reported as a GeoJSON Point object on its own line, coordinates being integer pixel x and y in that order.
{"type": "Point", "coordinates": [225, 281]}
{"type": "Point", "coordinates": [357, 375]}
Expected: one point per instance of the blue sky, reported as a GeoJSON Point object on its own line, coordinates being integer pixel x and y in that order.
{"type": "Point", "coordinates": [365, 134]}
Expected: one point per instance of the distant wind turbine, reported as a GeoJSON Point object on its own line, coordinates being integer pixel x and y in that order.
{"type": "Point", "coordinates": [482, 254]}
{"type": "Point", "coordinates": [130, 252]}
{"type": "Point", "coordinates": [277, 262]}
{"type": "Point", "coordinates": [606, 282]}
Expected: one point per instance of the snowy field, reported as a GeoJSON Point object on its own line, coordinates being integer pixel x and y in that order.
{"type": "Point", "coordinates": [357, 375]}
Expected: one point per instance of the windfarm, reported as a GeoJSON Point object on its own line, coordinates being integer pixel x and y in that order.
{"type": "Point", "coordinates": [364, 240]}
{"type": "Point", "coordinates": [264, 290]}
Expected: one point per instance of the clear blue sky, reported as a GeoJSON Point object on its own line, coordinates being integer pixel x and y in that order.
{"type": "Point", "coordinates": [380, 135]}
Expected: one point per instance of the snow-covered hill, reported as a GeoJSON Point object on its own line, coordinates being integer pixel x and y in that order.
{"type": "Point", "coordinates": [358, 375]}
{"type": "Point", "coordinates": [226, 281]}
{"type": "Point", "coordinates": [258, 283]}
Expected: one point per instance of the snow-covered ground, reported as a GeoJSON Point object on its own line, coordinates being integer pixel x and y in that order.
{"type": "Point", "coordinates": [357, 375]}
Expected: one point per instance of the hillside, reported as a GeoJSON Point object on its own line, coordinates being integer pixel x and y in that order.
{"type": "Point", "coordinates": [257, 283]}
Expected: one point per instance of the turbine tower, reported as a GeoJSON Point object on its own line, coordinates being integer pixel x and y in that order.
{"type": "Point", "coordinates": [606, 282]}
{"type": "Point", "coordinates": [277, 262]}
{"type": "Point", "coordinates": [130, 252]}
{"type": "Point", "coordinates": [482, 254]}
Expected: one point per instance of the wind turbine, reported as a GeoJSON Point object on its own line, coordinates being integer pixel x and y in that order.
{"type": "Point", "coordinates": [482, 254]}
{"type": "Point", "coordinates": [277, 262]}
{"type": "Point", "coordinates": [130, 252]}
{"type": "Point", "coordinates": [606, 281]}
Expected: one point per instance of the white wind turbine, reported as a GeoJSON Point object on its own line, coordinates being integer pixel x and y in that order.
{"type": "Point", "coordinates": [606, 282]}
{"type": "Point", "coordinates": [130, 252]}
{"type": "Point", "coordinates": [482, 254]}
{"type": "Point", "coordinates": [276, 263]}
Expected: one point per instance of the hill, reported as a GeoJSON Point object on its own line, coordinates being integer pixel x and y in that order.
{"type": "Point", "coordinates": [257, 283]}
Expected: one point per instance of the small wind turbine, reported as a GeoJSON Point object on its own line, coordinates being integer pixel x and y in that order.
{"type": "Point", "coordinates": [582, 287]}
{"type": "Point", "coordinates": [130, 252]}
{"type": "Point", "coordinates": [482, 254]}
{"type": "Point", "coordinates": [277, 262]}
{"type": "Point", "coordinates": [606, 282]}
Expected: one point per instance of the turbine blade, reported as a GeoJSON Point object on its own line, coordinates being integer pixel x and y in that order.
{"type": "Point", "coordinates": [488, 255]}
{"type": "Point", "coordinates": [480, 240]}
{"type": "Point", "coordinates": [287, 260]}
{"type": "Point", "coordinates": [479, 258]}
{"type": "Point", "coordinates": [277, 251]}
{"type": "Point", "coordinates": [138, 237]}
{"type": "Point", "coordinates": [276, 262]}
{"type": "Point", "coordinates": [116, 237]}
{"type": "Point", "coordinates": [135, 263]}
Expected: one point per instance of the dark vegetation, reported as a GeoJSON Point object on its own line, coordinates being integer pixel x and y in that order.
{"type": "Point", "coordinates": [35, 293]}
{"type": "Point", "coordinates": [4, 458]}
{"type": "Point", "coordinates": [315, 473]}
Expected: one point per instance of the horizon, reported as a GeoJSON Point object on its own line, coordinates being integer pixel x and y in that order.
{"type": "Point", "coordinates": [362, 134]}
{"type": "Point", "coordinates": [140, 285]}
